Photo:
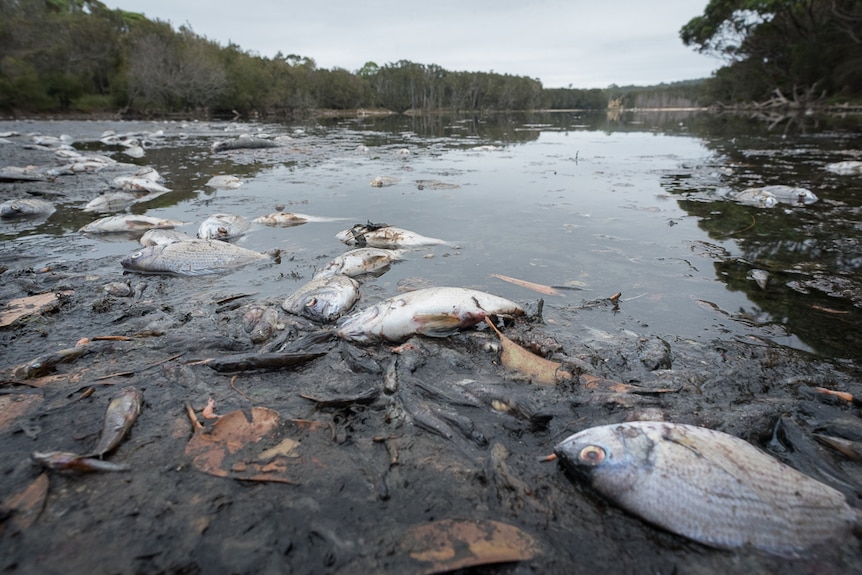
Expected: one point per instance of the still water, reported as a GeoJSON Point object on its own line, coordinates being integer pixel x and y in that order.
{"type": "Point", "coordinates": [636, 204]}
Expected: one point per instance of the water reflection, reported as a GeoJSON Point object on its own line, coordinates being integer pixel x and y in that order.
{"type": "Point", "coordinates": [635, 202]}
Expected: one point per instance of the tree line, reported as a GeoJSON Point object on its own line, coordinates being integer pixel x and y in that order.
{"type": "Point", "coordinates": [79, 55]}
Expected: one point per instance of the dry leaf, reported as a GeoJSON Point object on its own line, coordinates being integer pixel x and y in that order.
{"type": "Point", "coordinates": [537, 369]}
{"type": "Point", "coordinates": [264, 448]}
{"type": "Point", "coordinates": [449, 544]}
{"type": "Point", "coordinates": [23, 306]}
{"type": "Point", "coordinates": [602, 384]}
{"type": "Point", "coordinates": [13, 406]}
{"type": "Point", "coordinates": [543, 289]}
{"type": "Point", "coordinates": [28, 504]}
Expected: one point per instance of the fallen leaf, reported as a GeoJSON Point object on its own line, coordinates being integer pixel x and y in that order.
{"type": "Point", "coordinates": [28, 504]}
{"type": "Point", "coordinates": [15, 405]}
{"type": "Point", "coordinates": [543, 289]}
{"type": "Point", "coordinates": [23, 306]}
{"type": "Point", "coordinates": [449, 544]}
{"type": "Point", "coordinates": [602, 384]}
{"type": "Point", "coordinates": [264, 448]}
{"type": "Point", "coordinates": [537, 369]}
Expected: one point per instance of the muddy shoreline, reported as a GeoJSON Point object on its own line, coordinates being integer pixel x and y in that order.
{"type": "Point", "coordinates": [379, 464]}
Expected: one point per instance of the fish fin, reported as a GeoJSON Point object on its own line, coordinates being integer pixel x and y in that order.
{"type": "Point", "coordinates": [437, 325]}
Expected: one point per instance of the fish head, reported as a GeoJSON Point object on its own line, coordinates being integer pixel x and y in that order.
{"type": "Point", "coordinates": [142, 260]}
{"type": "Point", "coordinates": [362, 327]}
{"type": "Point", "coordinates": [611, 458]}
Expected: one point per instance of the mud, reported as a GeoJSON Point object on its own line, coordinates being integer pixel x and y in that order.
{"type": "Point", "coordinates": [402, 446]}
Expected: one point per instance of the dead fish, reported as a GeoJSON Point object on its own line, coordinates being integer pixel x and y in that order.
{"type": "Point", "coordinates": [708, 486]}
{"type": "Point", "coordinates": [159, 236]}
{"type": "Point", "coordinates": [115, 201]}
{"type": "Point", "coordinates": [26, 208]}
{"type": "Point", "coordinates": [359, 261]}
{"type": "Point", "coordinates": [787, 194]}
{"type": "Point", "coordinates": [45, 364]}
{"type": "Point", "coordinates": [139, 183]}
{"type": "Point", "coordinates": [323, 299]}
{"type": "Point", "coordinates": [756, 197]}
{"type": "Point", "coordinates": [122, 412]}
{"type": "Point", "coordinates": [243, 143]}
{"type": "Point", "coordinates": [846, 168]}
{"type": "Point", "coordinates": [385, 236]}
{"type": "Point", "coordinates": [193, 257]}
{"type": "Point", "coordinates": [223, 227]}
{"type": "Point", "coordinates": [128, 223]}
{"type": "Point", "coordinates": [19, 174]}
{"type": "Point", "coordinates": [287, 219]}
{"type": "Point", "coordinates": [65, 461]}
{"type": "Point", "coordinates": [224, 182]}
{"type": "Point", "coordinates": [383, 181]}
{"type": "Point", "coordinates": [436, 312]}
{"type": "Point", "coordinates": [761, 277]}
{"type": "Point", "coordinates": [259, 323]}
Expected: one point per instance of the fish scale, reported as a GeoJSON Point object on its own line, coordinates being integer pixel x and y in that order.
{"type": "Point", "coordinates": [191, 257]}
{"type": "Point", "coordinates": [709, 486]}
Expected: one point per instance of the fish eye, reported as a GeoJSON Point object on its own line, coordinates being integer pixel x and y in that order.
{"type": "Point", "coordinates": [311, 302]}
{"type": "Point", "coordinates": [136, 255]}
{"type": "Point", "coordinates": [592, 455]}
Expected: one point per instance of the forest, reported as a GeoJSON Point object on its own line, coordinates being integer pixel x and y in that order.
{"type": "Point", "coordinates": [78, 56]}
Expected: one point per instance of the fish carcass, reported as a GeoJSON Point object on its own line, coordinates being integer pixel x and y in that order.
{"type": "Point", "coordinates": [128, 223]}
{"type": "Point", "coordinates": [845, 168]}
{"type": "Point", "coordinates": [158, 236]}
{"type": "Point", "coordinates": [359, 261]}
{"type": "Point", "coordinates": [708, 486]}
{"type": "Point", "coordinates": [287, 219]}
{"type": "Point", "coordinates": [436, 312]}
{"type": "Point", "coordinates": [26, 208]}
{"type": "Point", "coordinates": [223, 227]}
{"type": "Point", "coordinates": [786, 194]}
{"type": "Point", "coordinates": [756, 197]}
{"type": "Point", "coordinates": [385, 236]}
{"type": "Point", "coordinates": [193, 257]}
{"type": "Point", "coordinates": [323, 299]}
{"type": "Point", "coordinates": [121, 414]}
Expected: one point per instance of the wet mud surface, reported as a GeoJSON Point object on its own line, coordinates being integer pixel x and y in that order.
{"type": "Point", "coordinates": [392, 438]}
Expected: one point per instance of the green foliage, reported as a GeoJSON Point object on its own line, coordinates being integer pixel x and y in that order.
{"type": "Point", "coordinates": [813, 46]}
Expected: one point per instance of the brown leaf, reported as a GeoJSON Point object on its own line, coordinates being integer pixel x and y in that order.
{"type": "Point", "coordinates": [264, 448]}
{"type": "Point", "coordinates": [537, 369]}
{"type": "Point", "coordinates": [13, 406]}
{"type": "Point", "coordinates": [28, 504]}
{"type": "Point", "coordinates": [602, 384]}
{"type": "Point", "coordinates": [543, 289]}
{"type": "Point", "coordinates": [451, 544]}
{"type": "Point", "coordinates": [24, 306]}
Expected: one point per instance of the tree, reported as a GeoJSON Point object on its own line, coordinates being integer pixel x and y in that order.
{"type": "Point", "coordinates": [794, 46]}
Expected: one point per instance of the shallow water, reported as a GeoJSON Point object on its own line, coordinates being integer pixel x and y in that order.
{"type": "Point", "coordinates": [593, 206]}
{"type": "Point", "coordinates": [637, 206]}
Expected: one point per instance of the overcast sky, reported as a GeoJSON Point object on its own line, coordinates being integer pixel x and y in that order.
{"type": "Point", "coordinates": [582, 43]}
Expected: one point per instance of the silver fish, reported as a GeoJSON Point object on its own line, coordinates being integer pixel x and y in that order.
{"type": "Point", "coordinates": [383, 181]}
{"type": "Point", "coordinates": [787, 194]}
{"type": "Point", "coordinates": [708, 486]}
{"type": "Point", "coordinates": [114, 201]}
{"type": "Point", "coordinates": [128, 223]}
{"type": "Point", "coordinates": [755, 197]}
{"type": "Point", "coordinates": [287, 219]}
{"type": "Point", "coordinates": [384, 236]}
{"type": "Point", "coordinates": [323, 299]}
{"type": "Point", "coordinates": [137, 183]}
{"type": "Point", "coordinates": [223, 227]}
{"type": "Point", "coordinates": [193, 257]}
{"type": "Point", "coordinates": [436, 312]}
{"type": "Point", "coordinates": [158, 236]}
{"type": "Point", "coordinates": [121, 414]}
{"type": "Point", "coordinates": [224, 182]}
{"type": "Point", "coordinates": [359, 261]}
{"type": "Point", "coordinates": [846, 168]}
{"type": "Point", "coordinates": [26, 208]}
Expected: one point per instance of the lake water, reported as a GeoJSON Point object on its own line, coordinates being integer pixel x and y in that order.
{"type": "Point", "coordinates": [591, 205]}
